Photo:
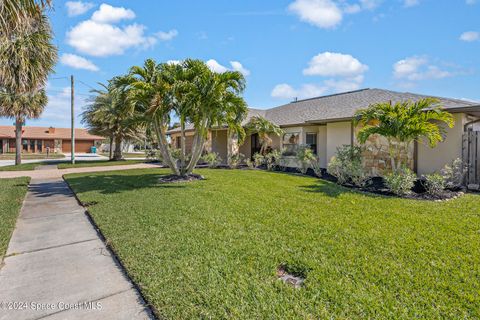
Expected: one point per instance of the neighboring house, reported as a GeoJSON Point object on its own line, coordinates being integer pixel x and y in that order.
{"type": "Point", "coordinates": [325, 123]}
{"type": "Point", "coordinates": [38, 139]}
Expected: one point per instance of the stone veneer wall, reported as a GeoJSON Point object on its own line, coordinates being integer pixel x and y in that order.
{"type": "Point", "coordinates": [376, 158]}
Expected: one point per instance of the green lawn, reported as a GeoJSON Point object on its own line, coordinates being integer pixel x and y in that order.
{"type": "Point", "coordinates": [210, 249]}
{"type": "Point", "coordinates": [23, 166]}
{"type": "Point", "coordinates": [31, 156]}
{"type": "Point", "coordinates": [128, 155]}
{"type": "Point", "coordinates": [97, 163]}
{"type": "Point", "coordinates": [12, 192]}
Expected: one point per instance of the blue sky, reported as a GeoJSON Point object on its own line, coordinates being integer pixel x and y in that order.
{"type": "Point", "coordinates": [286, 48]}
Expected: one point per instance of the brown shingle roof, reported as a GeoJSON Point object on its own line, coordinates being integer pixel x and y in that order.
{"type": "Point", "coordinates": [43, 133]}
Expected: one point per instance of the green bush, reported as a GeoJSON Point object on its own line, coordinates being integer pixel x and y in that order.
{"type": "Point", "coordinates": [454, 173]}
{"type": "Point", "coordinates": [250, 164]}
{"type": "Point", "coordinates": [258, 160]}
{"type": "Point", "coordinates": [212, 159]}
{"type": "Point", "coordinates": [317, 168]}
{"type": "Point", "coordinates": [235, 160]}
{"type": "Point", "coordinates": [434, 184]}
{"type": "Point", "coordinates": [401, 181]}
{"type": "Point", "coordinates": [346, 166]}
{"type": "Point", "coordinates": [305, 157]}
{"type": "Point", "coordinates": [272, 159]}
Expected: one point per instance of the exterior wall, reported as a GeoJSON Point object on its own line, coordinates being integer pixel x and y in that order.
{"type": "Point", "coordinates": [219, 144]}
{"type": "Point", "coordinates": [338, 134]}
{"type": "Point", "coordinates": [246, 147]}
{"type": "Point", "coordinates": [322, 146]}
{"type": "Point", "coordinates": [82, 146]}
{"type": "Point", "coordinates": [434, 159]}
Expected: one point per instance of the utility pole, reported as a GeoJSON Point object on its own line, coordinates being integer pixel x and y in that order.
{"type": "Point", "coordinates": [72, 101]}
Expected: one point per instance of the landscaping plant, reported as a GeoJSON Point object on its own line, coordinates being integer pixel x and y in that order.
{"type": "Point", "coordinates": [454, 174]}
{"type": "Point", "coordinates": [272, 159]}
{"type": "Point", "coordinates": [212, 159]}
{"type": "Point", "coordinates": [234, 160]}
{"type": "Point", "coordinates": [402, 123]}
{"type": "Point", "coordinates": [316, 167]}
{"type": "Point", "coordinates": [434, 184]}
{"type": "Point", "coordinates": [347, 166]}
{"type": "Point", "coordinates": [264, 129]}
{"type": "Point", "coordinates": [305, 157]}
{"type": "Point", "coordinates": [400, 182]}
{"type": "Point", "coordinates": [258, 159]}
{"type": "Point", "coordinates": [250, 164]}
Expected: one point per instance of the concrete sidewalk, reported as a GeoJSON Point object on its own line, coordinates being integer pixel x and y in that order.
{"type": "Point", "coordinates": [57, 267]}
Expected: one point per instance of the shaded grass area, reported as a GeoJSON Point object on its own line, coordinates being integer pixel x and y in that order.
{"type": "Point", "coordinates": [210, 249]}
{"type": "Point", "coordinates": [97, 163]}
{"type": "Point", "coordinates": [32, 156]}
{"type": "Point", "coordinates": [128, 155]}
{"type": "Point", "coordinates": [12, 192]}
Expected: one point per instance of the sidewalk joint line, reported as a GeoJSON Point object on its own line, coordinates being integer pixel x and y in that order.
{"type": "Point", "coordinates": [48, 248]}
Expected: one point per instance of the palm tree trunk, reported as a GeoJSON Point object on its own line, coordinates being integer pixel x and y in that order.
{"type": "Point", "coordinates": [110, 150]}
{"type": "Point", "coordinates": [197, 149]}
{"type": "Point", "coordinates": [164, 150]}
{"type": "Point", "coordinates": [182, 146]}
{"type": "Point", "coordinates": [391, 153]}
{"type": "Point", "coordinates": [117, 155]}
{"type": "Point", "coordinates": [18, 141]}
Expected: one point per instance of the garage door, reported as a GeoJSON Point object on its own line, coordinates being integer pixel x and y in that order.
{"type": "Point", "coordinates": [81, 146]}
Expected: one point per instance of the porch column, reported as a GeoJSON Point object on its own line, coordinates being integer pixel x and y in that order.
{"type": "Point", "coordinates": [232, 144]}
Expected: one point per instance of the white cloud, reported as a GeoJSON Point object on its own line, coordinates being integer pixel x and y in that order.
{"type": "Point", "coordinates": [471, 2]}
{"type": "Point", "coordinates": [76, 8]}
{"type": "Point", "coordinates": [470, 36]}
{"type": "Point", "coordinates": [331, 64]}
{"type": "Point", "coordinates": [78, 62]}
{"type": "Point", "coordinates": [101, 39]}
{"type": "Point", "coordinates": [418, 68]}
{"type": "Point", "coordinates": [321, 13]}
{"type": "Point", "coordinates": [235, 65]}
{"type": "Point", "coordinates": [108, 14]}
{"type": "Point", "coordinates": [411, 3]}
{"type": "Point", "coordinates": [167, 36]}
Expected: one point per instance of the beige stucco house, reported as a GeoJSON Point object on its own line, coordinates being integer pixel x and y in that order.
{"type": "Point", "coordinates": [325, 123]}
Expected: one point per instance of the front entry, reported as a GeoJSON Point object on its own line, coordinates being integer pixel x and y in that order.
{"type": "Point", "coordinates": [255, 143]}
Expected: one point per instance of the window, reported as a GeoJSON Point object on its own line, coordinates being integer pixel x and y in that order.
{"type": "Point", "coordinates": [290, 143]}
{"type": "Point", "coordinates": [39, 145]}
{"type": "Point", "coordinates": [25, 145]}
{"type": "Point", "coordinates": [32, 145]}
{"type": "Point", "coordinates": [178, 142]}
{"type": "Point", "coordinates": [312, 142]}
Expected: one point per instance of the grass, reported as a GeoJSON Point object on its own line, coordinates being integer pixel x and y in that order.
{"type": "Point", "coordinates": [12, 192]}
{"type": "Point", "coordinates": [23, 166]}
{"type": "Point", "coordinates": [128, 155]}
{"type": "Point", "coordinates": [97, 163]}
{"type": "Point", "coordinates": [32, 156]}
{"type": "Point", "coordinates": [210, 249]}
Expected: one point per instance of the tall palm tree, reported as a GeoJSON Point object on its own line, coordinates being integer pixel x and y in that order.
{"type": "Point", "coordinates": [21, 107]}
{"type": "Point", "coordinates": [27, 56]}
{"type": "Point", "coordinates": [109, 115]}
{"type": "Point", "coordinates": [14, 12]}
{"type": "Point", "coordinates": [264, 129]}
{"type": "Point", "coordinates": [402, 123]}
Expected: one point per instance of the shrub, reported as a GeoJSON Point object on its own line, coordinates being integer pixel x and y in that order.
{"type": "Point", "coordinates": [250, 163]}
{"type": "Point", "coordinates": [212, 159]}
{"type": "Point", "coordinates": [258, 160]}
{"type": "Point", "coordinates": [454, 173]}
{"type": "Point", "coordinates": [400, 182]}
{"type": "Point", "coordinates": [317, 169]}
{"type": "Point", "coordinates": [272, 159]}
{"type": "Point", "coordinates": [234, 160]}
{"type": "Point", "coordinates": [434, 184]}
{"type": "Point", "coordinates": [305, 156]}
{"type": "Point", "coordinates": [153, 155]}
{"type": "Point", "coordinates": [346, 166]}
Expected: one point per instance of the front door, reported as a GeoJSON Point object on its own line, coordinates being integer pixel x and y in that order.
{"type": "Point", "coordinates": [256, 146]}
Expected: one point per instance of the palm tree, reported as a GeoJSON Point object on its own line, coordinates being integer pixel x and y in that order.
{"type": "Point", "coordinates": [402, 123]}
{"type": "Point", "coordinates": [21, 107]}
{"type": "Point", "coordinates": [110, 115]}
{"type": "Point", "coordinates": [27, 56]}
{"type": "Point", "coordinates": [264, 129]}
{"type": "Point", "coordinates": [14, 12]}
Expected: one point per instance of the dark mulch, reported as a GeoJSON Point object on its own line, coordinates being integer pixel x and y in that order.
{"type": "Point", "coordinates": [172, 178]}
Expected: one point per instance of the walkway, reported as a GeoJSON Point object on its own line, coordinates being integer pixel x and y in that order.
{"type": "Point", "coordinates": [58, 173]}
{"type": "Point", "coordinates": [56, 266]}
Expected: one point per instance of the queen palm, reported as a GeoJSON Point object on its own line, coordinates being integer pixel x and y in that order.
{"type": "Point", "coordinates": [21, 107]}
{"type": "Point", "coordinates": [264, 129]}
{"type": "Point", "coordinates": [402, 123]}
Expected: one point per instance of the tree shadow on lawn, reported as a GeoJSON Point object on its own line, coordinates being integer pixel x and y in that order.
{"type": "Point", "coordinates": [117, 183]}
{"type": "Point", "coordinates": [333, 190]}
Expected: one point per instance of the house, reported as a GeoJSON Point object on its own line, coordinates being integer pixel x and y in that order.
{"type": "Point", "coordinates": [325, 123]}
{"type": "Point", "coordinates": [38, 139]}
